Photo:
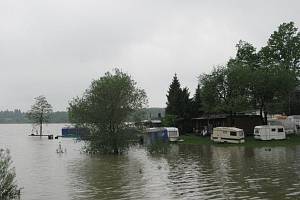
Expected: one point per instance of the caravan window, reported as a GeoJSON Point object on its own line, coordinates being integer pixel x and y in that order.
{"type": "Point", "coordinates": [256, 130]}
{"type": "Point", "coordinates": [280, 130]}
{"type": "Point", "coordinates": [232, 133]}
{"type": "Point", "coordinates": [273, 130]}
{"type": "Point", "coordinates": [173, 133]}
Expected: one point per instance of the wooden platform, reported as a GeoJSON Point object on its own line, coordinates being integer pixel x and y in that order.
{"type": "Point", "coordinates": [41, 135]}
{"type": "Point", "coordinates": [50, 136]}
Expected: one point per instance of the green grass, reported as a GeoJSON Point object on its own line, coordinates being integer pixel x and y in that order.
{"type": "Point", "coordinates": [249, 141]}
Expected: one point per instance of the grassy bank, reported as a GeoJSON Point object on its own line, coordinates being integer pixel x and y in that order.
{"type": "Point", "coordinates": [250, 141]}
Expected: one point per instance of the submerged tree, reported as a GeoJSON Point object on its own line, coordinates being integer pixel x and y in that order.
{"type": "Point", "coordinates": [104, 109]}
{"type": "Point", "coordinates": [39, 112]}
{"type": "Point", "coordinates": [8, 187]}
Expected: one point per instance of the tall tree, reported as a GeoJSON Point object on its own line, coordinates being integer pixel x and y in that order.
{"type": "Point", "coordinates": [264, 79]}
{"type": "Point", "coordinates": [279, 62]}
{"type": "Point", "coordinates": [186, 108]}
{"type": "Point", "coordinates": [40, 112]}
{"type": "Point", "coordinates": [197, 108]}
{"type": "Point", "coordinates": [174, 98]}
{"type": "Point", "coordinates": [104, 109]}
{"type": "Point", "coordinates": [246, 55]}
{"type": "Point", "coordinates": [283, 48]}
{"type": "Point", "coordinates": [214, 90]}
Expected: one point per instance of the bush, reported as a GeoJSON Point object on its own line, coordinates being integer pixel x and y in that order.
{"type": "Point", "coordinates": [8, 186]}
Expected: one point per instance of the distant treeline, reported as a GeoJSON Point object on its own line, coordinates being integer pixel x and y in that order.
{"type": "Point", "coordinates": [19, 117]}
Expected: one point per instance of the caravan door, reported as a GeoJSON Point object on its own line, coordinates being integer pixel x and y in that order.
{"type": "Point", "coordinates": [268, 133]}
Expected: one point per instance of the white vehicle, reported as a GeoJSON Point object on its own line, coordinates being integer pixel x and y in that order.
{"type": "Point", "coordinates": [173, 133]}
{"type": "Point", "coordinates": [269, 132]}
{"type": "Point", "coordinates": [289, 125]}
{"type": "Point", "coordinates": [228, 134]}
{"type": "Point", "coordinates": [295, 120]}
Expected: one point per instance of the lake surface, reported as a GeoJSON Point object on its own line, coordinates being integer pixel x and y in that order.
{"type": "Point", "coordinates": [185, 172]}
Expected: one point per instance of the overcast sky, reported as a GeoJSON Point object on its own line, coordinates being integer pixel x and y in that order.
{"type": "Point", "coordinates": [57, 47]}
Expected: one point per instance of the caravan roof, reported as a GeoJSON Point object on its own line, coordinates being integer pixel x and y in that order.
{"type": "Point", "coordinates": [171, 128]}
{"type": "Point", "coordinates": [269, 126]}
{"type": "Point", "coordinates": [228, 129]}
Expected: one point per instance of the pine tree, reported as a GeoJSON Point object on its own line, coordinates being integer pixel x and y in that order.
{"type": "Point", "coordinates": [174, 98]}
{"type": "Point", "coordinates": [197, 103]}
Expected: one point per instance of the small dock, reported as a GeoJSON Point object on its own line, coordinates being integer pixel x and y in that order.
{"type": "Point", "coordinates": [50, 136]}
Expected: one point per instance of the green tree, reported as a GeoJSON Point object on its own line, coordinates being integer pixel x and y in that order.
{"type": "Point", "coordinates": [281, 57]}
{"type": "Point", "coordinates": [227, 88]}
{"type": "Point", "coordinates": [179, 106]}
{"type": "Point", "coordinates": [262, 80]}
{"type": "Point", "coordinates": [283, 48]}
{"type": "Point", "coordinates": [197, 108]}
{"type": "Point", "coordinates": [214, 90]}
{"type": "Point", "coordinates": [246, 55]}
{"type": "Point", "coordinates": [174, 101]}
{"type": "Point", "coordinates": [186, 104]}
{"type": "Point", "coordinates": [169, 121]}
{"type": "Point", "coordinates": [8, 187]}
{"type": "Point", "coordinates": [104, 108]}
{"type": "Point", "coordinates": [40, 112]}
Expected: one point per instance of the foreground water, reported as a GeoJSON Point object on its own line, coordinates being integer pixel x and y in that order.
{"type": "Point", "coordinates": [186, 172]}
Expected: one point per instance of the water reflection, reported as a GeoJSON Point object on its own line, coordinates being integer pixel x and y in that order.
{"type": "Point", "coordinates": [236, 172]}
{"type": "Point", "coordinates": [190, 172]}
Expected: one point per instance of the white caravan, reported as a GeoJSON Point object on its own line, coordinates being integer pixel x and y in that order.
{"type": "Point", "coordinates": [289, 125]}
{"type": "Point", "coordinates": [295, 120]}
{"type": "Point", "coordinates": [228, 134]}
{"type": "Point", "coordinates": [269, 132]}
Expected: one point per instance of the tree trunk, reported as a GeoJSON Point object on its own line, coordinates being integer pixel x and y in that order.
{"type": "Point", "coordinates": [261, 109]}
{"type": "Point", "coordinates": [41, 129]}
{"type": "Point", "coordinates": [261, 112]}
{"type": "Point", "coordinates": [265, 117]}
{"type": "Point", "coordinates": [231, 119]}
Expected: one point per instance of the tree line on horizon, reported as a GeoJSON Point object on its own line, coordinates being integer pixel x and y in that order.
{"type": "Point", "coordinates": [19, 117]}
{"type": "Point", "coordinates": [261, 80]}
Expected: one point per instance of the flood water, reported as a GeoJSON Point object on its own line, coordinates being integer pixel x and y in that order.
{"type": "Point", "coordinates": [185, 172]}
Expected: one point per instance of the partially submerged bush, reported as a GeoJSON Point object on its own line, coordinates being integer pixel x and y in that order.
{"type": "Point", "coordinates": [112, 143]}
{"type": "Point", "coordinates": [8, 186]}
{"type": "Point", "coordinates": [158, 148]}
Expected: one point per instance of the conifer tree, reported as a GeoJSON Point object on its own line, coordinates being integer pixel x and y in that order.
{"type": "Point", "coordinates": [174, 98]}
{"type": "Point", "coordinates": [197, 103]}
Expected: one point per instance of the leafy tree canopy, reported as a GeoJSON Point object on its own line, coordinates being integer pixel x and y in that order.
{"type": "Point", "coordinates": [260, 80]}
{"type": "Point", "coordinates": [40, 112]}
{"type": "Point", "coordinates": [104, 109]}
